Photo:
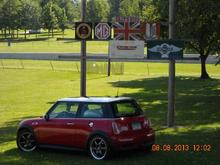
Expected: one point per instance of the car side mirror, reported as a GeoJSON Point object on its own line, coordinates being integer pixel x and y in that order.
{"type": "Point", "coordinates": [46, 117]}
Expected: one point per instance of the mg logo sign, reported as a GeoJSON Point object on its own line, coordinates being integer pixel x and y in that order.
{"type": "Point", "coordinates": [102, 31]}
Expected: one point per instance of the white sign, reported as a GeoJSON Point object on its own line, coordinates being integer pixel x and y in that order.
{"type": "Point", "coordinates": [102, 31]}
{"type": "Point", "coordinates": [152, 31]}
{"type": "Point", "coordinates": [126, 49]}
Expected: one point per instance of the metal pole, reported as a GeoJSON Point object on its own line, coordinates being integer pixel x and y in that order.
{"type": "Point", "coordinates": [83, 55]}
{"type": "Point", "coordinates": [109, 60]}
{"type": "Point", "coordinates": [171, 81]}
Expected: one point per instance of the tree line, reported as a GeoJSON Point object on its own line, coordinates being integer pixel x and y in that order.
{"type": "Point", "coordinates": [61, 14]}
{"type": "Point", "coordinates": [197, 21]}
{"type": "Point", "coordinates": [36, 14]}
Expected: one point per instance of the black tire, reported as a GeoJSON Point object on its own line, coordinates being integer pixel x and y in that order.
{"type": "Point", "coordinates": [99, 148]}
{"type": "Point", "coordinates": [26, 140]}
{"type": "Point", "coordinates": [148, 148]}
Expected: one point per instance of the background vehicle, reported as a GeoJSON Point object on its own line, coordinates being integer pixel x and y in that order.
{"type": "Point", "coordinates": [96, 124]}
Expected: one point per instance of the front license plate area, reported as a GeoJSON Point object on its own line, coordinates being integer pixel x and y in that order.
{"type": "Point", "coordinates": [136, 126]}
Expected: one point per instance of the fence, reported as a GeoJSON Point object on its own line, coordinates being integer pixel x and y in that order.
{"type": "Point", "coordinates": [117, 68]}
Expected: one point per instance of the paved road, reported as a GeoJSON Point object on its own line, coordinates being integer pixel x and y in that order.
{"type": "Point", "coordinates": [188, 58]}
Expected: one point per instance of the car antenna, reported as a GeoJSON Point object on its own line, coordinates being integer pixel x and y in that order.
{"type": "Point", "coordinates": [118, 87]}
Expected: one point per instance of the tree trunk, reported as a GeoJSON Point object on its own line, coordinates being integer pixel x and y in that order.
{"type": "Point", "coordinates": [5, 32]}
{"type": "Point", "coordinates": [52, 33]}
{"type": "Point", "coordinates": [204, 74]}
{"type": "Point", "coordinates": [25, 33]}
{"type": "Point", "coordinates": [17, 32]}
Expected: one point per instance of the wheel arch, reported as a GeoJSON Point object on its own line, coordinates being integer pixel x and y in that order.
{"type": "Point", "coordinates": [25, 127]}
{"type": "Point", "coordinates": [99, 133]}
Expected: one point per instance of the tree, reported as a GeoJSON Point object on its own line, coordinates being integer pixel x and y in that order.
{"type": "Point", "coordinates": [114, 8]}
{"type": "Point", "coordinates": [1, 18]}
{"type": "Point", "coordinates": [49, 18]}
{"type": "Point", "coordinates": [72, 9]}
{"type": "Point", "coordinates": [61, 17]}
{"type": "Point", "coordinates": [149, 11]}
{"type": "Point", "coordinates": [97, 10]}
{"type": "Point", "coordinates": [10, 17]}
{"type": "Point", "coordinates": [199, 21]}
{"type": "Point", "coordinates": [63, 21]}
{"type": "Point", "coordinates": [29, 15]}
{"type": "Point", "coordinates": [129, 8]}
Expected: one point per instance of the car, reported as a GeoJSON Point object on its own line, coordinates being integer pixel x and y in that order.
{"type": "Point", "coordinates": [99, 125]}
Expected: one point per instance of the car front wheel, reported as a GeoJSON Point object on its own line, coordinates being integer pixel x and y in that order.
{"type": "Point", "coordinates": [99, 148]}
{"type": "Point", "coordinates": [26, 141]}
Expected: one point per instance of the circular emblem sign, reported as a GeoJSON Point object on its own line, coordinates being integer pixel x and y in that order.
{"type": "Point", "coordinates": [83, 31]}
{"type": "Point", "coordinates": [102, 31]}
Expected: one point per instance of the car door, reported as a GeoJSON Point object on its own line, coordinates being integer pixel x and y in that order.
{"type": "Point", "coordinates": [86, 122]}
{"type": "Point", "coordinates": [59, 129]}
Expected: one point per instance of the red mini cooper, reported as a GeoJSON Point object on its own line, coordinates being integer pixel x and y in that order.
{"type": "Point", "coordinates": [96, 124]}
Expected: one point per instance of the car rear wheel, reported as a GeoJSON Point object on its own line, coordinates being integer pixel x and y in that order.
{"type": "Point", "coordinates": [26, 141]}
{"type": "Point", "coordinates": [99, 148]}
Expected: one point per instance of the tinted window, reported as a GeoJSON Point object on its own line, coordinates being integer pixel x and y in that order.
{"type": "Point", "coordinates": [64, 110]}
{"type": "Point", "coordinates": [127, 108]}
{"type": "Point", "coordinates": [94, 110]}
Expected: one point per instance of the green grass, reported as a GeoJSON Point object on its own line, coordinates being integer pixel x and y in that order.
{"type": "Point", "coordinates": [44, 44]}
{"type": "Point", "coordinates": [30, 92]}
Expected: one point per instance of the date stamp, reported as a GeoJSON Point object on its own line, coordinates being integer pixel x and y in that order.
{"type": "Point", "coordinates": [182, 147]}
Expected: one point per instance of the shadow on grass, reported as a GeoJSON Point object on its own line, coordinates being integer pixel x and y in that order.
{"type": "Point", "coordinates": [59, 157]}
{"type": "Point", "coordinates": [24, 40]}
{"type": "Point", "coordinates": [197, 107]}
{"type": "Point", "coordinates": [8, 132]}
{"type": "Point", "coordinates": [197, 101]}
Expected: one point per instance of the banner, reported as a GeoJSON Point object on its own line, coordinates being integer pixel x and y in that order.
{"type": "Point", "coordinates": [126, 49]}
{"type": "Point", "coordinates": [165, 49]}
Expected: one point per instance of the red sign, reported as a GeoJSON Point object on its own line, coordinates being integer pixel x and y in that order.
{"type": "Point", "coordinates": [102, 31]}
{"type": "Point", "coordinates": [128, 31]}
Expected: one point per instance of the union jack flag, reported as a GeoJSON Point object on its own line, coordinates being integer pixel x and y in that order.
{"type": "Point", "coordinates": [128, 31]}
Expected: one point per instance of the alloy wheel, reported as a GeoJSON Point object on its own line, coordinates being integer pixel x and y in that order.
{"type": "Point", "coordinates": [98, 148]}
{"type": "Point", "coordinates": [26, 141]}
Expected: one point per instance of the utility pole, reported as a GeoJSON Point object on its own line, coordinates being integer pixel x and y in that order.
{"type": "Point", "coordinates": [171, 81]}
{"type": "Point", "coordinates": [83, 54]}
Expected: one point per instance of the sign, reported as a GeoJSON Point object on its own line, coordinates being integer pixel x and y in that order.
{"type": "Point", "coordinates": [83, 30]}
{"type": "Point", "coordinates": [169, 49]}
{"type": "Point", "coordinates": [152, 31]}
{"type": "Point", "coordinates": [102, 31]}
{"type": "Point", "coordinates": [126, 49]}
{"type": "Point", "coordinates": [128, 31]}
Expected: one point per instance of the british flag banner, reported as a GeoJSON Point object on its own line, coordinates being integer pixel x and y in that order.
{"type": "Point", "coordinates": [129, 31]}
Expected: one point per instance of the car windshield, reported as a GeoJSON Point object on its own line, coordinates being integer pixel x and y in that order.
{"type": "Point", "coordinates": [127, 108]}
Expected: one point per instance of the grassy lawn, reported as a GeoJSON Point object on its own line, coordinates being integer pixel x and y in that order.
{"type": "Point", "coordinates": [30, 92]}
{"type": "Point", "coordinates": [41, 43]}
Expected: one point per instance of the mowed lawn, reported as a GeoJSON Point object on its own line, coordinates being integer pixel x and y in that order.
{"type": "Point", "coordinates": [41, 43]}
{"type": "Point", "coordinates": [29, 92]}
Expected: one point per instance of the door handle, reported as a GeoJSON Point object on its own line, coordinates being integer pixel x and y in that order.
{"type": "Point", "coordinates": [70, 123]}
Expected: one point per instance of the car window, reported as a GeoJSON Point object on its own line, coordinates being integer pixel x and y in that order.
{"type": "Point", "coordinates": [73, 108]}
{"type": "Point", "coordinates": [64, 110]}
{"type": "Point", "coordinates": [90, 110]}
{"type": "Point", "coordinates": [127, 108]}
